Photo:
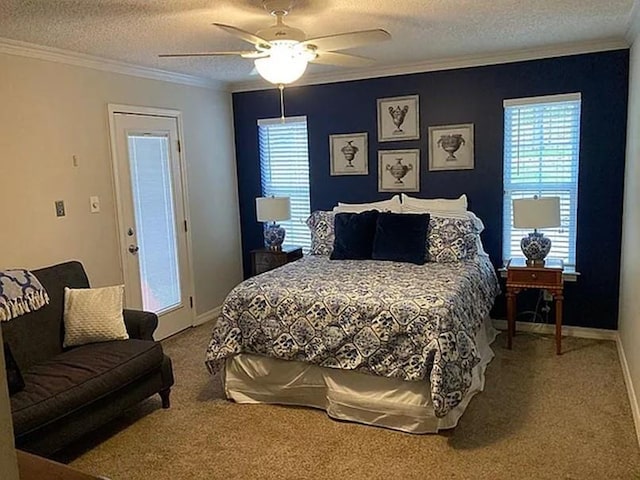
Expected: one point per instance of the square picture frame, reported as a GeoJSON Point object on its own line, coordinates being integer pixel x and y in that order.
{"type": "Point", "coordinates": [399, 170]}
{"type": "Point", "coordinates": [349, 154]}
{"type": "Point", "coordinates": [398, 118]}
{"type": "Point", "coordinates": [451, 147]}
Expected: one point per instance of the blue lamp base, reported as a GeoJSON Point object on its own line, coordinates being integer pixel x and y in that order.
{"type": "Point", "coordinates": [273, 236]}
{"type": "Point", "coordinates": [535, 247]}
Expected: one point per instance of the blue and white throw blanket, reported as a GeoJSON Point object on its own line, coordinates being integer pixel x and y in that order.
{"type": "Point", "coordinates": [20, 292]}
{"type": "Point", "coordinates": [414, 322]}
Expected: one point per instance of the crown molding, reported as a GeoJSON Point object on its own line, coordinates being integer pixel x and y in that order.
{"type": "Point", "coordinates": [32, 50]}
{"type": "Point", "coordinates": [633, 25]}
{"type": "Point", "coordinates": [451, 63]}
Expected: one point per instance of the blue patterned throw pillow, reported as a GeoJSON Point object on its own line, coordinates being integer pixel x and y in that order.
{"type": "Point", "coordinates": [452, 239]}
{"type": "Point", "coordinates": [321, 225]}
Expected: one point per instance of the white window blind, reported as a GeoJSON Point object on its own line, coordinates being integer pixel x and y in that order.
{"type": "Point", "coordinates": [284, 172]}
{"type": "Point", "coordinates": [541, 153]}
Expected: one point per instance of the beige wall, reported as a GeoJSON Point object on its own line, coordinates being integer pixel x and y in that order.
{"type": "Point", "coordinates": [8, 465]}
{"type": "Point", "coordinates": [629, 320]}
{"type": "Point", "coordinates": [51, 112]}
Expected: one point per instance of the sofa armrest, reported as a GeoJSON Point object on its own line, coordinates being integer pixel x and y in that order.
{"type": "Point", "coordinates": [140, 325]}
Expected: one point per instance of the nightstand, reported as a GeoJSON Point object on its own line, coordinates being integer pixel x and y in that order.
{"type": "Point", "coordinates": [264, 259]}
{"type": "Point", "coordinates": [521, 277]}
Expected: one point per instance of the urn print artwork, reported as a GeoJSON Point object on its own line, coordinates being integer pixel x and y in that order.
{"type": "Point", "coordinates": [451, 147]}
{"type": "Point", "coordinates": [398, 118]}
{"type": "Point", "coordinates": [349, 154]}
{"type": "Point", "coordinates": [399, 170]}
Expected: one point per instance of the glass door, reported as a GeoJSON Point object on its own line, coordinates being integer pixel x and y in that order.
{"type": "Point", "coordinates": [152, 219]}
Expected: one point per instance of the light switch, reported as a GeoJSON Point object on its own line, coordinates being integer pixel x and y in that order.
{"type": "Point", "coordinates": [95, 204]}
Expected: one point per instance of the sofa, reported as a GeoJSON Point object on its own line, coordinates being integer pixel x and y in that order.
{"type": "Point", "coordinates": [70, 392]}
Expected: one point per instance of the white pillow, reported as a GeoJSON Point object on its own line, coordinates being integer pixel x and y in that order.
{"type": "Point", "coordinates": [435, 204]}
{"type": "Point", "coordinates": [93, 315]}
{"type": "Point", "coordinates": [479, 225]}
{"type": "Point", "coordinates": [391, 205]}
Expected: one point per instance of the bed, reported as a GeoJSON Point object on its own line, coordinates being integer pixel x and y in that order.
{"type": "Point", "coordinates": [391, 344]}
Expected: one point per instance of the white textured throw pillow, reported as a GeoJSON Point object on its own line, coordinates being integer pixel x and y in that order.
{"type": "Point", "coordinates": [93, 315]}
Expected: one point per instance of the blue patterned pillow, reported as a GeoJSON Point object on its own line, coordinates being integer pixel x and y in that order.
{"type": "Point", "coordinates": [321, 224]}
{"type": "Point", "coordinates": [452, 239]}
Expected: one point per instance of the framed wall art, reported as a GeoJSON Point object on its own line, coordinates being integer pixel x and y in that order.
{"type": "Point", "coordinates": [349, 154]}
{"type": "Point", "coordinates": [451, 147]}
{"type": "Point", "coordinates": [398, 118]}
{"type": "Point", "coordinates": [399, 170]}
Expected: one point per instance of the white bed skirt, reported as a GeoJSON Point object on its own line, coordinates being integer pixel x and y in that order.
{"type": "Point", "coordinates": [348, 395]}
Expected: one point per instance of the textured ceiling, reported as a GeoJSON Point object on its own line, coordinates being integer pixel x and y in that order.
{"type": "Point", "coordinates": [136, 31]}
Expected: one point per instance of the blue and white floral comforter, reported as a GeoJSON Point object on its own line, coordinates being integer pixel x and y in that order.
{"type": "Point", "coordinates": [414, 322]}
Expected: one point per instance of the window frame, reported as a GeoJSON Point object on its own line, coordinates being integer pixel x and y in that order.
{"type": "Point", "coordinates": [550, 187]}
{"type": "Point", "coordinates": [300, 207]}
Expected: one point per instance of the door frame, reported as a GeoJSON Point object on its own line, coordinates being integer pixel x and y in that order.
{"type": "Point", "coordinates": [113, 109]}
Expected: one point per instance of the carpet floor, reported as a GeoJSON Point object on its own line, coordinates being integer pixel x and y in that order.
{"type": "Point", "coordinates": [540, 417]}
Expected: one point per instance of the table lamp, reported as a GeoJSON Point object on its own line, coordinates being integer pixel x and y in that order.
{"type": "Point", "coordinates": [273, 209]}
{"type": "Point", "coordinates": [536, 213]}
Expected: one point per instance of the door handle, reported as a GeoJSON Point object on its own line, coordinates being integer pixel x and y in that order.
{"type": "Point", "coordinates": [133, 249]}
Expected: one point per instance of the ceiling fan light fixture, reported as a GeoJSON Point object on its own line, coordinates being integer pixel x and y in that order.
{"type": "Point", "coordinates": [285, 64]}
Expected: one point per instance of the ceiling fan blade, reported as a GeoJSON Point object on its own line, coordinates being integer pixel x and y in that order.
{"type": "Point", "coordinates": [205, 54]}
{"type": "Point", "coordinates": [342, 41]}
{"type": "Point", "coordinates": [341, 59]}
{"type": "Point", "coordinates": [243, 34]}
{"type": "Point", "coordinates": [255, 54]}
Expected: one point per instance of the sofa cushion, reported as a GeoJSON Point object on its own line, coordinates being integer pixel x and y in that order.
{"type": "Point", "coordinates": [76, 378]}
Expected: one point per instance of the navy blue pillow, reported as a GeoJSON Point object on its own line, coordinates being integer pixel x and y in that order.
{"type": "Point", "coordinates": [14, 377]}
{"type": "Point", "coordinates": [401, 237]}
{"type": "Point", "coordinates": [354, 235]}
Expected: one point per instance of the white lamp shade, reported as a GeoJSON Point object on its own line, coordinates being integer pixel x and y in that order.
{"type": "Point", "coordinates": [272, 209]}
{"type": "Point", "coordinates": [285, 64]}
{"type": "Point", "coordinates": [536, 212]}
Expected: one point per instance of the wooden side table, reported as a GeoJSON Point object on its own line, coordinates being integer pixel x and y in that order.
{"type": "Point", "coordinates": [521, 277]}
{"type": "Point", "coordinates": [264, 259]}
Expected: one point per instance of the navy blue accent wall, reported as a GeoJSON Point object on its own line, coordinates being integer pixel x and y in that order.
{"type": "Point", "coordinates": [472, 95]}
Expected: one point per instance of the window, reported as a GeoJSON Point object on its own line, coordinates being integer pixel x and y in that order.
{"type": "Point", "coordinates": [541, 150]}
{"type": "Point", "coordinates": [284, 172]}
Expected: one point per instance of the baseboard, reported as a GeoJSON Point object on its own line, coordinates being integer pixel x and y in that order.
{"type": "Point", "coordinates": [567, 330]}
{"type": "Point", "coordinates": [206, 316]}
{"type": "Point", "coordinates": [633, 399]}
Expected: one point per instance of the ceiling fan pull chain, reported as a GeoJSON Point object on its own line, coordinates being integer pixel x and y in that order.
{"type": "Point", "coordinates": [281, 87]}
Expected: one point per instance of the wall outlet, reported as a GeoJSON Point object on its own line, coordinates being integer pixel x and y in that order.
{"type": "Point", "coordinates": [60, 208]}
{"type": "Point", "coordinates": [547, 297]}
{"type": "Point", "coordinates": [94, 202]}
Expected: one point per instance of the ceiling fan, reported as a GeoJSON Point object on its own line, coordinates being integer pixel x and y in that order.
{"type": "Point", "coordinates": [281, 53]}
